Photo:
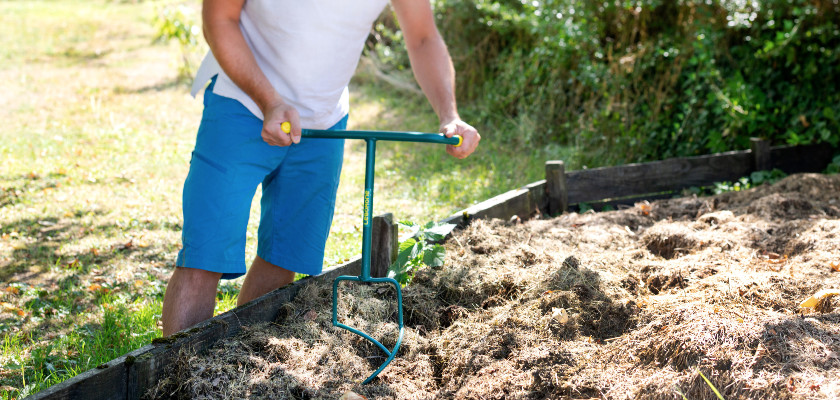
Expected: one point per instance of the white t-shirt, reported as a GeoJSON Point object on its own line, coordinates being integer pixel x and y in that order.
{"type": "Point", "coordinates": [308, 50]}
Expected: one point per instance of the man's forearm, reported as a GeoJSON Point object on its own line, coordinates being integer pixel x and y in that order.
{"type": "Point", "coordinates": [222, 32]}
{"type": "Point", "coordinates": [433, 70]}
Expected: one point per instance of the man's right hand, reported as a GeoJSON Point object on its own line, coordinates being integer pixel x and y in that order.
{"type": "Point", "coordinates": [274, 116]}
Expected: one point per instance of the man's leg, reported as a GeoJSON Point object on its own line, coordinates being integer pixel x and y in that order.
{"type": "Point", "coordinates": [190, 298]}
{"type": "Point", "coordinates": [262, 278]}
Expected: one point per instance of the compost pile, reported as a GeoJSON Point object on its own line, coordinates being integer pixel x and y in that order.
{"type": "Point", "coordinates": [627, 304]}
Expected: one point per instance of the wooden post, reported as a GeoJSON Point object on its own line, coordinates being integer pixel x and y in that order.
{"type": "Point", "coordinates": [384, 244]}
{"type": "Point", "coordinates": [761, 154]}
{"type": "Point", "coordinates": [555, 178]}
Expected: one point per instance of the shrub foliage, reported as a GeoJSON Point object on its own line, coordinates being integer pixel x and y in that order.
{"type": "Point", "coordinates": [644, 79]}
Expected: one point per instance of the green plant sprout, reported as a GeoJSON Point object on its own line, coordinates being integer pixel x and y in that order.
{"type": "Point", "coordinates": [418, 250]}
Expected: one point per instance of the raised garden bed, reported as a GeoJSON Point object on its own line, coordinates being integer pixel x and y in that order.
{"type": "Point", "coordinates": [624, 304]}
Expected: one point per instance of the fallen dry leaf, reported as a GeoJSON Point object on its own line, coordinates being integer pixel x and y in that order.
{"type": "Point", "coordinates": [813, 301]}
{"type": "Point", "coordinates": [98, 288]}
{"type": "Point", "coordinates": [352, 396]}
{"type": "Point", "coordinates": [559, 315]}
{"type": "Point", "coordinates": [644, 207]}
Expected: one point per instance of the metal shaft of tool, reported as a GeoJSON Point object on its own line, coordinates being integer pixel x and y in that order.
{"type": "Point", "coordinates": [370, 161]}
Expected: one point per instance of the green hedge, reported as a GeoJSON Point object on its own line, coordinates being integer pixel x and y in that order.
{"type": "Point", "coordinates": [639, 80]}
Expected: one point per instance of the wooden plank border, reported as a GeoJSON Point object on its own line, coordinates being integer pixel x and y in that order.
{"type": "Point", "coordinates": [673, 175]}
{"type": "Point", "coordinates": [656, 177]}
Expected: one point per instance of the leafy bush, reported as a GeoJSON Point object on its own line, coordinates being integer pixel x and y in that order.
{"type": "Point", "coordinates": [834, 167]}
{"type": "Point", "coordinates": [179, 22]}
{"type": "Point", "coordinates": [634, 80]}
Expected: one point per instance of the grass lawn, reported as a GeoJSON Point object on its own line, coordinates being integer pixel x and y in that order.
{"type": "Point", "coordinates": [95, 143]}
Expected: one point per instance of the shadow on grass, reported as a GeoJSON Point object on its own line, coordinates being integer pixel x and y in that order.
{"type": "Point", "coordinates": [15, 188]}
{"type": "Point", "coordinates": [35, 257]}
{"type": "Point", "coordinates": [76, 56]}
{"type": "Point", "coordinates": [157, 87]}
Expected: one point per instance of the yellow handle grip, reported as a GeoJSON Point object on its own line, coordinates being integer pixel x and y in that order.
{"type": "Point", "coordinates": [460, 140]}
{"type": "Point", "coordinates": [286, 127]}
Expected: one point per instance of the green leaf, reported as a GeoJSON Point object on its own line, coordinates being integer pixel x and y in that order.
{"type": "Point", "coordinates": [416, 250]}
{"type": "Point", "coordinates": [406, 244]}
{"type": "Point", "coordinates": [435, 256]}
{"type": "Point", "coordinates": [404, 253]}
{"type": "Point", "coordinates": [441, 230]}
{"type": "Point", "coordinates": [434, 237]}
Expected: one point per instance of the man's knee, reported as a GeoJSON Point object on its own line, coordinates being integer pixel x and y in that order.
{"type": "Point", "coordinates": [196, 277]}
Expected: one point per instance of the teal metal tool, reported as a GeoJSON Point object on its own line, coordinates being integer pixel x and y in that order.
{"type": "Point", "coordinates": [370, 138]}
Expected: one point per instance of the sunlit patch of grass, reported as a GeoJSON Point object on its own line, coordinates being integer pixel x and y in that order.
{"type": "Point", "coordinates": [33, 363]}
{"type": "Point", "coordinates": [226, 296]}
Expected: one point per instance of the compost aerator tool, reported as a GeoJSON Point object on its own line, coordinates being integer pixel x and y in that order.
{"type": "Point", "coordinates": [370, 138]}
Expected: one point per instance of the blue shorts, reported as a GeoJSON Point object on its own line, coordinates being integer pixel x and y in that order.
{"type": "Point", "coordinates": [230, 159]}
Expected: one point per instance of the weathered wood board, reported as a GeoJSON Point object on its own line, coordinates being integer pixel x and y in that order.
{"type": "Point", "coordinates": [107, 382]}
{"type": "Point", "coordinates": [656, 177]}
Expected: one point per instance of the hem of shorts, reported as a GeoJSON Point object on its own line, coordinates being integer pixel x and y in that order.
{"type": "Point", "coordinates": [207, 264]}
{"type": "Point", "coordinates": [283, 262]}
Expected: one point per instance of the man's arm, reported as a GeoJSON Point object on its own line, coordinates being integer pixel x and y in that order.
{"type": "Point", "coordinates": [433, 70]}
{"type": "Point", "coordinates": [221, 29]}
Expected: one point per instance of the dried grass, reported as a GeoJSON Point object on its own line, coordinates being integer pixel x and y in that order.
{"type": "Point", "coordinates": [653, 296]}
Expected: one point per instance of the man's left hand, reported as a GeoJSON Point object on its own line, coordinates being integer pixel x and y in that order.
{"type": "Point", "coordinates": [464, 130]}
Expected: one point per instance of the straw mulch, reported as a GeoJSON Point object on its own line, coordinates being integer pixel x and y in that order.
{"type": "Point", "coordinates": [628, 304]}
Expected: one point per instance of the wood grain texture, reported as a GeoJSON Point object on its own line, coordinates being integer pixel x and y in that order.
{"type": "Point", "coordinates": [503, 206]}
{"type": "Point", "coordinates": [656, 177]}
{"type": "Point", "coordinates": [556, 187]}
{"type": "Point", "coordinates": [106, 383]}
{"type": "Point", "coordinates": [384, 244]}
{"type": "Point", "coordinates": [537, 193]}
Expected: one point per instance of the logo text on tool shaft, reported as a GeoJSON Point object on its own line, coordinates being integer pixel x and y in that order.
{"type": "Point", "coordinates": [366, 217]}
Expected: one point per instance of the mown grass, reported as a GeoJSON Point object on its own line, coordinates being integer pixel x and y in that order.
{"type": "Point", "coordinates": [95, 143]}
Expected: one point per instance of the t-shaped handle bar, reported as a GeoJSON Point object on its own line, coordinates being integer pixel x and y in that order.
{"type": "Point", "coordinates": [378, 135]}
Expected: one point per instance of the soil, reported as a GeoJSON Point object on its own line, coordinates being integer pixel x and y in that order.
{"type": "Point", "coordinates": [627, 304]}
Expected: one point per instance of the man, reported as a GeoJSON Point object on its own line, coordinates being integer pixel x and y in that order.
{"type": "Point", "coordinates": [270, 62]}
